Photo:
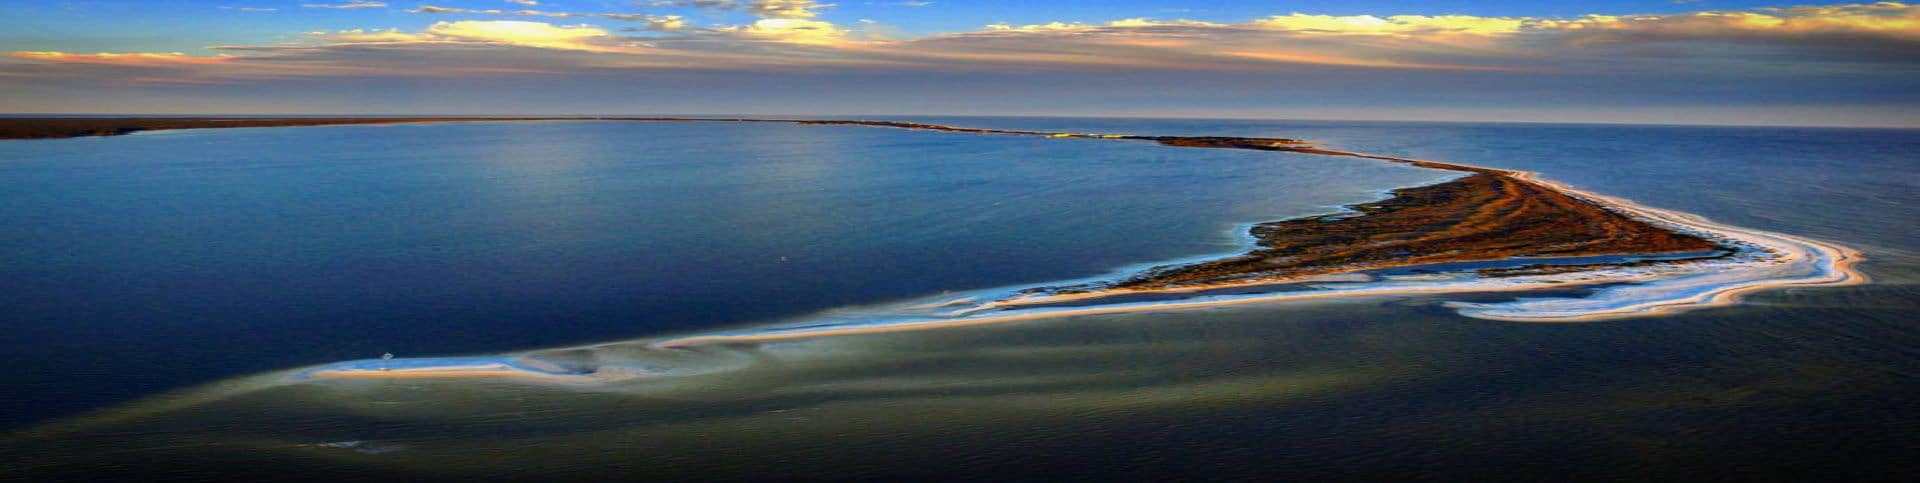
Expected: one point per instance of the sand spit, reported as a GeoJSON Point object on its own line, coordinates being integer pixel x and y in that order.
{"type": "Point", "coordinates": [1487, 215]}
{"type": "Point", "coordinates": [1766, 260]}
{"type": "Point", "coordinates": [1753, 260]}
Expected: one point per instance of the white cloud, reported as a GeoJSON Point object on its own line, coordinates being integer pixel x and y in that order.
{"type": "Point", "coordinates": [345, 6]}
{"type": "Point", "coordinates": [795, 30]}
{"type": "Point", "coordinates": [760, 8]}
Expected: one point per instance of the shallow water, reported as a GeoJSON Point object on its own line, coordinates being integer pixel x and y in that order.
{"type": "Point", "coordinates": [1804, 382]}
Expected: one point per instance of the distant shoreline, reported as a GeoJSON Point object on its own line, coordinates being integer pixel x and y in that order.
{"type": "Point", "coordinates": [76, 127]}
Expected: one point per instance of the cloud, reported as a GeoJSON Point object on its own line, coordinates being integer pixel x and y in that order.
{"type": "Point", "coordinates": [361, 36]}
{"type": "Point", "coordinates": [661, 23]}
{"type": "Point", "coordinates": [524, 2]}
{"type": "Point", "coordinates": [1138, 22]}
{"type": "Point", "coordinates": [1391, 25]}
{"type": "Point", "coordinates": [1878, 33]}
{"type": "Point", "coordinates": [526, 34]}
{"type": "Point", "coordinates": [1786, 61]}
{"type": "Point", "coordinates": [653, 22]}
{"type": "Point", "coordinates": [539, 35]}
{"type": "Point", "coordinates": [127, 59]}
{"type": "Point", "coordinates": [1887, 20]}
{"type": "Point", "coordinates": [786, 8]}
{"type": "Point", "coordinates": [794, 30]}
{"type": "Point", "coordinates": [761, 8]}
{"type": "Point", "coordinates": [1795, 39]}
{"type": "Point", "coordinates": [345, 6]}
{"type": "Point", "coordinates": [706, 4]}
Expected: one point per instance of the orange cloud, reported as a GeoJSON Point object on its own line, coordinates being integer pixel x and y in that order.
{"type": "Point", "coordinates": [794, 30]}
{"type": "Point", "coordinates": [517, 33]}
{"type": "Point", "coordinates": [531, 34]}
{"type": "Point", "coordinates": [1271, 44]}
{"type": "Point", "coordinates": [372, 36]}
{"type": "Point", "coordinates": [1301, 58]}
{"type": "Point", "coordinates": [128, 59]}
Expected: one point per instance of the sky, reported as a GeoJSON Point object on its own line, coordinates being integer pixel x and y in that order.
{"type": "Point", "coordinates": [1634, 61]}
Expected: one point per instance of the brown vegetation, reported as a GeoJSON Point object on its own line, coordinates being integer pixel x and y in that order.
{"type": "Point", "coordinates": [1479, 217]}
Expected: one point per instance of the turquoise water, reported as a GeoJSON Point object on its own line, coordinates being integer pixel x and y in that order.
{"type": "Point", "coordinates": [252, 250]}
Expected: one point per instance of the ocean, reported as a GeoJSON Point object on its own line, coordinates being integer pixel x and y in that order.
{"type": "Point", "coordinates": [159, 285]}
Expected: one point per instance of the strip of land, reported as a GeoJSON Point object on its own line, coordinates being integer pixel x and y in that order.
{"type": "Point", "coordinates": [73, 127]}
{"type": "Point", "coordinates": [1488, 214]}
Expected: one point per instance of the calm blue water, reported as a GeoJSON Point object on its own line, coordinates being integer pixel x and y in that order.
{"type": "Point", "coordinates": [140, 263]}
{"type": "Point", "coordinates": [137, 264]}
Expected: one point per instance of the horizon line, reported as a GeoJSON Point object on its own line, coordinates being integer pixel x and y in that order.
{"type": "Point", "coordinates": [1171, 117]}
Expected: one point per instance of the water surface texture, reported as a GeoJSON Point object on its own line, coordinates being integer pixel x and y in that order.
{"type": "Point", "coordinates": [146, 262]}
{"type": "Point", "coordinates": [157, 261]}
